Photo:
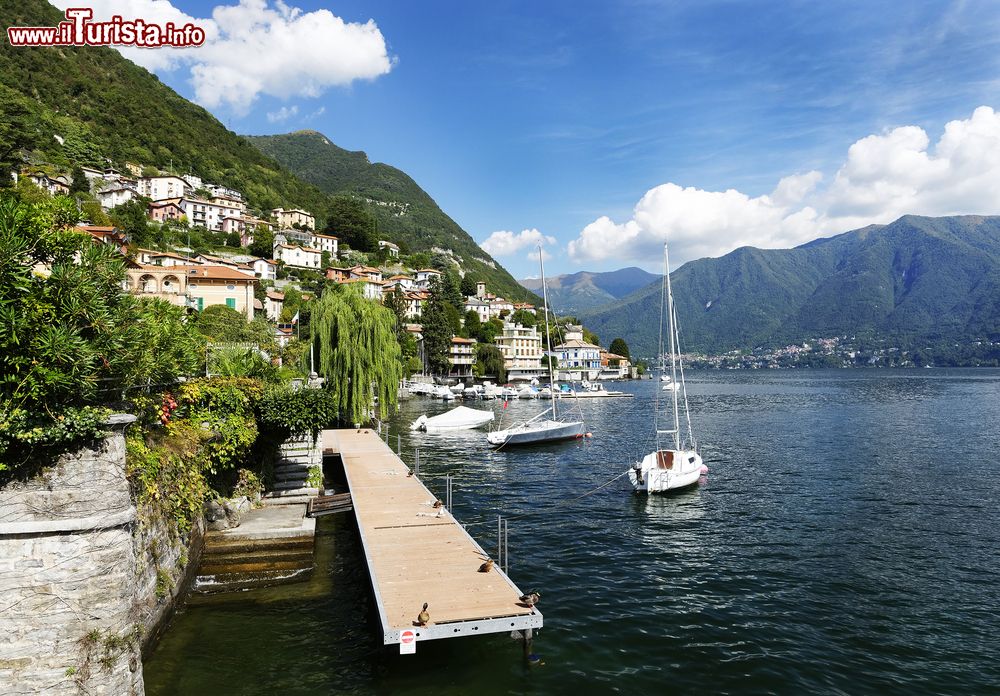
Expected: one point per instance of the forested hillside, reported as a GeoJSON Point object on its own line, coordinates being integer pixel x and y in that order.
{"type": "Point", "coordinates": [405, 212]}
{"type": "Point", "coordinates": [916, 279]}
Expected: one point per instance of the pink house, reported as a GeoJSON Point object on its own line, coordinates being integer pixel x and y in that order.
{"type": "Point", "coordinates": [165, 210]}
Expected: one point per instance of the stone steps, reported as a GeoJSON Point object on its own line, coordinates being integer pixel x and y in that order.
{"type": "Point", "coordinates": [235, 582]}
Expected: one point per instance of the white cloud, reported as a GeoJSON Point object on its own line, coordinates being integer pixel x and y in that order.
{"type": "Point", "coordinates": [883, 177]}
{"type": "Point", "coordinates": [282, 114]}
{"type": "Point", "coordinates": [504, 243]}
{"type": "Point", "coordinates": [254, 48]}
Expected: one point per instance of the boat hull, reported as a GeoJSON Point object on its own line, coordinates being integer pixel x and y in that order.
{"type": "Point", "coordinates": [536, 433]}
{"type": "Point", "coordinates": [667, 471]}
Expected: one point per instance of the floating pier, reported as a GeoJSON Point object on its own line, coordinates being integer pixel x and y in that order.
{"type": "Point", "coordinates": [419, 553]}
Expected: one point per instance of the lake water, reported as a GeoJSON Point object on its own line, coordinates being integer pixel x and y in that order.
{"type": "Point", "coordinates": [846, 540]}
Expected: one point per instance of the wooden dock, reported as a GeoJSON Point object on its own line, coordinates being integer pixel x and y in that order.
{"type": "Point", "coordinates": [417, 553]}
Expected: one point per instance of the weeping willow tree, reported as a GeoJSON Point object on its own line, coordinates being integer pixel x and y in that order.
{"type": "Point", "coordinates": [357, 351]}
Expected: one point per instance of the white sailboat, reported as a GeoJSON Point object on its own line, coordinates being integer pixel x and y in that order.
{"type": "Point", "coordinates": [540, 429]}
{"type": "Point", "coordinates": [675, 463]}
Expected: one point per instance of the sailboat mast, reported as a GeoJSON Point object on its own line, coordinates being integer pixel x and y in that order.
{"type": "Point", "coordinates": [673, 349]}
{"type": "Point", "coordinates": [548, 339]}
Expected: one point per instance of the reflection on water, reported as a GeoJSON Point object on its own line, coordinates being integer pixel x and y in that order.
{"type": "Point", "coordinates": [844, 541]}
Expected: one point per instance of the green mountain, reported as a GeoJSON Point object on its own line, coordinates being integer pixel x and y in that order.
{"type": "Point", "coordinates": [405, 212]}
{"type": "Point", "coordinates": [916, 279]}
{"type": "Point", "coordinates": [579, 292]}
{"type": "Point", "coordinates": [104, 107]}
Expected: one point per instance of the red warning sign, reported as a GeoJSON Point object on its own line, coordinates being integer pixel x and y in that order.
{"type": "Point", "coordinates": [407, 642]}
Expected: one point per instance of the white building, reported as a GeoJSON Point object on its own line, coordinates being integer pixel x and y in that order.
{"type": "Point", "coordinates": [115, 196]}
{"type": "Point", "coordinates": [462, 356]}
{"type": "Point", "coordinates": [393, 248]}
{"type": "Point", "coordinates": [575, 353]}
{"type": "Point", "coordinates": [231, 202]}
{"type": "Point", "coordinates": [159, 187]}
{"type": "Point", "coordinates": [206, 214]}
{"type": "Point", "coordinates": [522, 351]}
{"type": "Point", "coordinates": [301, 257]}
{"type": "Point", "coordinates": [371, 289]}
{"type": "Point", "coordinates": [265, 269]}
{"type": "Point", "coordinates": [424, 275]}
{"type": "Point", "coordinates": [294, 216]}
{"type": "Point", "coordinates": [274, 302]}
{"type": "Point", "coordinates": [193, 181]}
{"type": "Point", "coordinates": [325, 242]}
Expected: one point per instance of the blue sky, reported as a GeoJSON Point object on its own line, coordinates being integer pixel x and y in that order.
{"type": "Point", "coordinates": [609, 126]}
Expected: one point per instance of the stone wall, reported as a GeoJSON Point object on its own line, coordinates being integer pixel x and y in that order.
{"type": "Point", "coordinates": [80, 591]}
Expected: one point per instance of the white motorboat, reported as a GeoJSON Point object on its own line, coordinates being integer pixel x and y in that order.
{"type": "Point", "coordinates": [458, 418]}
{"type": "Point", "coordinates": [540, 429]}
{"type": "Point", "coordinates": [597, 391]}
{"type": "Point", "coordinates": [527, 392]}
{"type": "Point", "coordinates": [472, 393]}
{"type": "Point", "coordinates": [675, 463]}
{"type": "Point", "coordinates": [508, 393]}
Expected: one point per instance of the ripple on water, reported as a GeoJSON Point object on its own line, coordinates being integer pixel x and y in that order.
{"type": "Point", "coordinates": [844, 542]}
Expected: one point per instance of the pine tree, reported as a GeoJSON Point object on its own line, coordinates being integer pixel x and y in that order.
{"type": "Point", "coordinates": [437, 331]}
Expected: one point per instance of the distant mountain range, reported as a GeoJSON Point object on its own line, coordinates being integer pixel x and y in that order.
{"type": "Point", "coordinates": [916, 279]}
{"type": "Point", "coordinates": [578, 292]}
{"type": "Point", "coordinates": [405, 212]}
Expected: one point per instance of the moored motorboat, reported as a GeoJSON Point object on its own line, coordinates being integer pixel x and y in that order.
{"type": "Point", "coordinates": [459, 418]}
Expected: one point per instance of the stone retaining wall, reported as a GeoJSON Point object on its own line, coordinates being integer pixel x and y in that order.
{"type": "Point", "coordinates": [80, 591]}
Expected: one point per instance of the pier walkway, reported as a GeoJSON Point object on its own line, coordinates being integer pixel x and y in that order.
{"type": "Point", "coordinates": [417, 554]}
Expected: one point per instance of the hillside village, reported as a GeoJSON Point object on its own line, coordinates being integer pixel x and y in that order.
{"type": "Point", "coordinates": [197, 244]}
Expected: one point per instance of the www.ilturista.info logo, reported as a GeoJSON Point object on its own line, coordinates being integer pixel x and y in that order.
{"type": "Point", "coordinates": [79, 30]}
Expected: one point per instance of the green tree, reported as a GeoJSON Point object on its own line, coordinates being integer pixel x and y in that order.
{"type": "Point", "coordinates": [523, 317]}
{"type": "Point", "coordinates": [488, 331]}
{"type": "Point", "coordinates": [130, 218]}
{"type": "Point", "coordinates": [619, 347]}
{"type": "Point", "coordinates": [357, 352]}
{"type": "Point", "coordinates": [349, 219]}
{"type": "Point", "coordinates": [18, 132]}
{"type": "Point", "coordinates": [468, 285]}
{"type": "Point", "coordinates": [395, 302]}
{"type": "Point", "coordinates": [263, 243]}
{"type": "Point", "coordinates": [491, 362]}
{"type": "Point", "coordinates": [472, 323]}
{"type": "Point", "coordinates": [437, 331]}
{"type": "Point", "coordinates": [80, 184]}
{"type": "Point", "coordinates": [71, 339]}
{"type": "Point", "coordinates": [222, 324]}
{"type": "Point", "coordinates": [450, 288]}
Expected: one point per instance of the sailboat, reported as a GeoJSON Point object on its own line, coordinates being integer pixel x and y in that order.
{"type": "Point", "coordinates": [540, 429]}
{"type": "Point", "coordinates": [675, 463]}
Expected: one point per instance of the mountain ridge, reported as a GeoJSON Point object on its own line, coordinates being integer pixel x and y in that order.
{"type": "Point", "coordinates": [404, 210]}
{"type": "Point", "coordinates": [571, 293]}
{"type": "Point", "coordinates": [915, 279]}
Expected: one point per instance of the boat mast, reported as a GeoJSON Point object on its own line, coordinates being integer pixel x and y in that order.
{"type": "Point", "coordinates": [548, 339]}
{"type": "Point", "coordinates": [673, 351]}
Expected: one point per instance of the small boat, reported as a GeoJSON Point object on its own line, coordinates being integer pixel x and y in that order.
{"type": "Point", "coordinates": [675, 463]}
{"type": "Point", "coordinates": [540, 429]}
{"type": "Point", "coordinates": [508, 393]}
{"type": "Point", "coordinates": [597, 391]}
{"type": "Point", "coordinates": [527, 392]}
{"type": "Point", "coordinates": [472, 393]}
{"type": "Point", "coordinates": [536, 431]}
{"type": "Point", "coordinates": [458, 418]}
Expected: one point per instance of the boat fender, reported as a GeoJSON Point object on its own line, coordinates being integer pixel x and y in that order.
{"type": "Point", "coordinates": [589, 435]}
{"type": "Point", "coordinates": [704, 469]}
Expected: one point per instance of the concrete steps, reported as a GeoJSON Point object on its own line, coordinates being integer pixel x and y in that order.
{"type": "Point", "coordinates": [271, 546]}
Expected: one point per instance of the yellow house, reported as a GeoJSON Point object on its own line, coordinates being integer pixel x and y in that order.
{"type": "Point", "coordinates": [195, 286]}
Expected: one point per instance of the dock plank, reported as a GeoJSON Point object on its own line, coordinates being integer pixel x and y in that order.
{"type": "Point", "coordinates": [416, 553]}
